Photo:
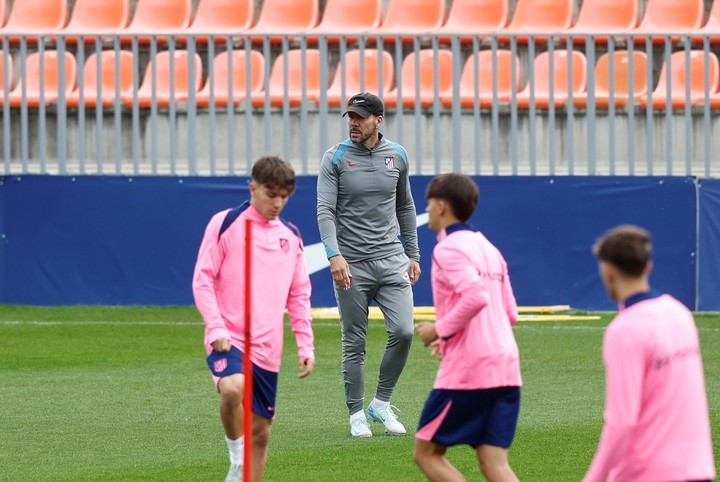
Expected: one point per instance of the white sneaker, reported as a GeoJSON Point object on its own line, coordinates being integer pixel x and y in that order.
{"type": "Point", "coordinates": [388, 418]}
{"type": "Point", "coordinates": [360, 428]}
{"type": "Point", "coordinates": [235, 474]}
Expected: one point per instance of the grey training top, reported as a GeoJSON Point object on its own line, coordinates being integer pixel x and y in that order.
{"type": "Point", "coordinates": [364, 202]}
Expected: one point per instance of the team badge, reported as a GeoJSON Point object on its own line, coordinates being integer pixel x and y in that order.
{"type": "Point", "coordinates": [389, 163]}
{"type": "Point", "coordinates": [284, 245]}
{"type": "Point", "coordinates": [220, 365]}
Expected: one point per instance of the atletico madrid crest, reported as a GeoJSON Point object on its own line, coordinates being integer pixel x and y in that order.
{"type": "Point", "coordinates": [389, 163]}
{"type": "Point", "coordinates": [284, 245]}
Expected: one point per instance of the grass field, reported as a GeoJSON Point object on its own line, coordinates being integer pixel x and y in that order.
{"type": "Point", "coordinates": [123, 394]}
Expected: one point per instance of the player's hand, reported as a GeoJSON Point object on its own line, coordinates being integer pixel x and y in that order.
{"type": "Point", "coordinates": [340, 270]}
{"type": "Point", "coordinates": [221, 345]}
{"type": "Point", "coordinates": [426, 330]}
{"type": "Point", "coordinates": [305, 365]}
{"type": "Point", "coordinates": [414, 271]}
{"type": "Point", "coordinates": [436, 351]}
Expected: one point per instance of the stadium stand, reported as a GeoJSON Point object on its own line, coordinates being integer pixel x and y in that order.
{"type": "Point", "coordinates": [556, 80]}
{"type": "Point", "coordinates": [343, 17]}
{"type": "Point", "coordinates": [109, 64]}
{"type": "Point", "coordinates": [410, 17]}
{"type": "Point", "coordinates": [604, 16]}
{"type": "Point", "coordinates": [357, 80]}
{"type": "Point", "coordinates": [285, 16]}
{"type": "Point", "coordinates": [220, 79]}
{"type": "Point", "coordinates": [164, 73]}
{"type": "Point", "coordinates": [539, 16]}
{"type": "Point", "coordinates": [484, 76]}
{"type": "Point", "coordinates": [679, 71]}
{"type": "Point", "coordinates": [51, 79]}
{"type": "Point", "coordinates": [712, 26]}
{"type": "Point", "coordinates": [473, 17]}
{"type": "Point", "coordinates": [90, 17]}
{"type": "Point", "coordinates": [158, 17]}
{"type": "Point", "coordinates": [29, 17]}
{"type": "Point", "coordinates": [621, 80]}
{"type": "Point", "coordinates": [668, 17]}
{"type": "Point", "coordinates": [220, 17]}
{"type": "Point", "coordinates": [6, 75]}
{"type": "Point", "coordinates": [425, 88]}
{"type": "Point", "coordinates": [296, 71]}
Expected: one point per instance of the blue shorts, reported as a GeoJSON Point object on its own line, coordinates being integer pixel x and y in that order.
{"type": "Point", "coordinates": [470, 417]}
{"type": "Point", "coordinates": [264, 381]}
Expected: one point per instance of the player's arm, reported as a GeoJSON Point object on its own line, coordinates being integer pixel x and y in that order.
{"type": "Point", "coordinates": [327, 195]}
{"type": "Point", "coordinates": [406, 214]}
{"type": "Point", "coordinates": [624, 370]}
{"type": "Point", "coordinates": [209, 260]}
{"type": "Point", "coordinates": [465, 282]}
{"type": "Point", "coordinates": [508, 296]}
{"type": "Point", "coordinates": [298, 306]}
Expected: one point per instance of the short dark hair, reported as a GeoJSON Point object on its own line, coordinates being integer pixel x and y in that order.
{"type": "Point", "coordinates": [458, 190]}
{"type": "Point", "coordinates": [274, 172]}
{"type": "Point", "coordinates": [626, 247]}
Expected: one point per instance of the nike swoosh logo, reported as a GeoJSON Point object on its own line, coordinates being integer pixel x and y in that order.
{"type": "Point", "coordinates": [316, 258]}
{"type": "Point", "coordinates": [351, 164]}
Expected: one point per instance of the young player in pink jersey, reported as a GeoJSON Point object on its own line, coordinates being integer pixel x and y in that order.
{"type": "Point", "coordinates": [280, 281]}
{"type": "Point", "coordinates": [657, 425]}
{"type": "Point", "coordinates": [476, 396]}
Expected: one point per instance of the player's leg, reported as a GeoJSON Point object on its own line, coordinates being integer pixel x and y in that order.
{"type": "Point", "coordinates": [395, 299]}
{"type": "Point", "coordinates": [430, 458]}
{"type": "Point", "coordinates": [492, 452]}
{"type": "Point", "coordinates": [494, 464]}
{"type": "Point", "coordinates": [264, 396]}
{"type": "Point", "coordinates": [231, 410]}
{"type": "Point", "coordinates": [353, 307]}
{"type": "Point", "coordinates": [260, 441]}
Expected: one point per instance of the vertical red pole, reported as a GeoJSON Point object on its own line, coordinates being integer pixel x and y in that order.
{"type": "Point", "coordinates": [247, 364]}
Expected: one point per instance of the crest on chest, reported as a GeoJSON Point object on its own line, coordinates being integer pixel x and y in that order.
{"type": "Point", "coordinates": [389, 163]}
{"type": "Point", "coordinates": [284, 245]}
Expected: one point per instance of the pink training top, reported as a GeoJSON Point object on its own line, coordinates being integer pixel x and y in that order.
{"type": "Point", "coordinates": [279, 280]}
{"type": "Point", "coordinates": [475, 309]}
{"type": "Point", "coordinates": [657, 426]}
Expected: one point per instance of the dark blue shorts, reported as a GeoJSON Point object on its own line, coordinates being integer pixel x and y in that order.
{"type": "Point", "coordinates": [264, 381]}
{"type": "Point", "coordinates": [470, 417]}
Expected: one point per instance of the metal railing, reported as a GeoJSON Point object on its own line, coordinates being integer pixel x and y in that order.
{"type": "Point", "coordinates": [452, 126]}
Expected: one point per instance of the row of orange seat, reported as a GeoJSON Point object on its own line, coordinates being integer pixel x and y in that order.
{"type": "Point", "coordinates": [350, 17]}
{"type": "Point", "coordinates": [228, 81]}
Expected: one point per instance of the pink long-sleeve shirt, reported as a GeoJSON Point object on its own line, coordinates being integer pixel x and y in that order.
{"type": "Point", "coordinates": [279, 281]}
{"type": "Point", "coordinates": [657, 426]}
{"type": "Point", "coordinates": [475, 308]}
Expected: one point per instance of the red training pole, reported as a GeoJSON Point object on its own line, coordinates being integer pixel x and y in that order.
{"type": "Point", "coordinates": [247, 364]}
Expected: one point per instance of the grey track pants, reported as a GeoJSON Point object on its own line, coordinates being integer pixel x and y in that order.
{"type": "Point", "coordinates": [385, 281]}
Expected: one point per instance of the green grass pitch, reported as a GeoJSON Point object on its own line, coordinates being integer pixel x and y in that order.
{"type": "Point", "coordinates": [123, 394]}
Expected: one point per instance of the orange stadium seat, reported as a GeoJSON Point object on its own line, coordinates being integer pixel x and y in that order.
{"type": "Point", "coordinates": [220, 80]}
{"type": "Point", "coordinates": [162, 83]}
{"type": "Point", "coordinates": [557, 79]}
{"type": "Point", "coordinates": [678, 81]}
{"type": "Point", "coordinates": [712, 27]}
{"type": "Point", "coordinates": [106, 82]}
{"type": "Point", "coordinates": [343, 17]}
{"type": "Point", "coordinates": [221, 16]}
{"type": "Point", "coordinates": [412, 17]}
{"type": "Point", "coordinates": [90, 17]}
{"type": "Point", "coordinates": [153, 17]}
{"type": "Point", "coordinates": [426, 85]}
{"type": "Point", "coordinates": [2, 13]}
{"type": "Point", "coordinates": [604, 16]}
{"type": "Point", "coordinates": [296, 72]}
{"type": "Point", "coordinates": [353, 76]}
{"type": "Point", "coordinates": [621, 80]}
{"type": "Point", "coordinates": [484, 96]}
{"type": "Point", "coordinates": [475, 17]}
{"type": "Point", "coordinates": [669, 17]}
{"type": "Point", "coordinates": [539, 16]}
{"type": "Point", "coordinates": [35, 17]}
{"type": "Point", "coordinates": [51, 87]}
{"type": "Point", "coordinates": [285, 17]}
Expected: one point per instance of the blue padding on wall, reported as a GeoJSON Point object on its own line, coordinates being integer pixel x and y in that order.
{"type": "Point", "coordinates": [709, 253]}
{"type": "Point", "coordinates": [120, 241]}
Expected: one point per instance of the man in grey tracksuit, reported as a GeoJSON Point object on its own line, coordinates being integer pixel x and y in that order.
{"type": "Point", "coordinates": [364, 204]}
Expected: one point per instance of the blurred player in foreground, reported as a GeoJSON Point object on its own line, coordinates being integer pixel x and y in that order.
{"type": "Point", "coordinates": [657, 425]}
{"type": "Point", "coordinates": [476, 396]}
{"type": "Point", "coordinates": [280, 281]}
